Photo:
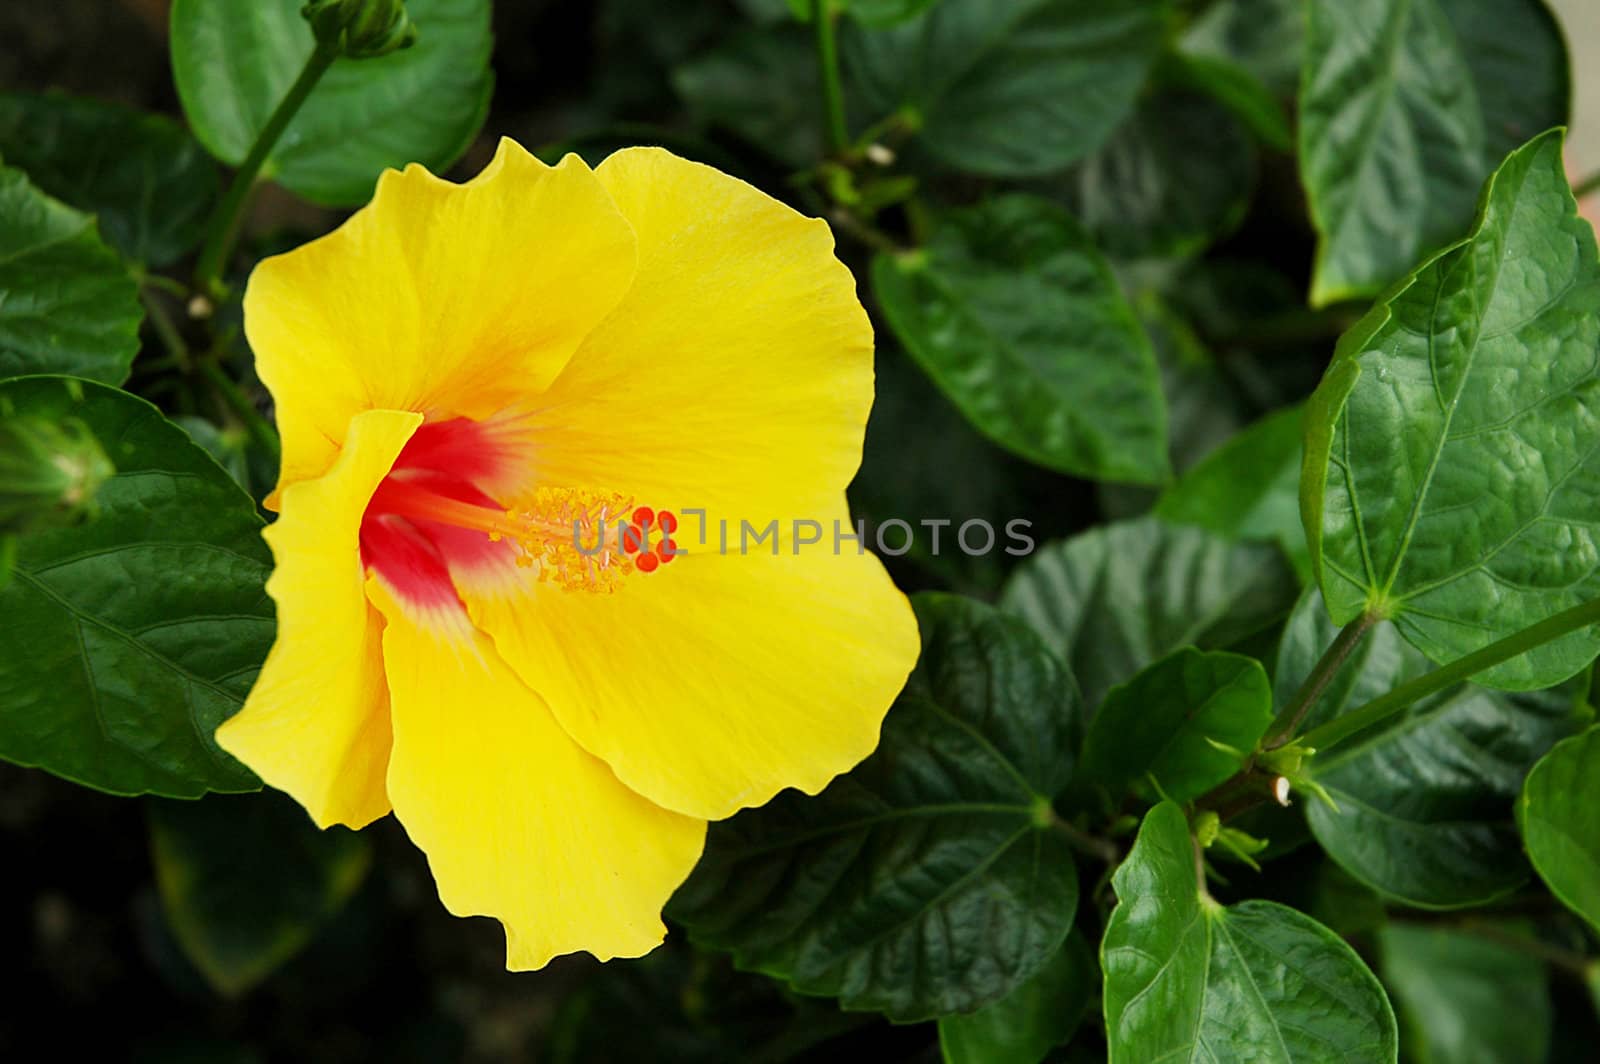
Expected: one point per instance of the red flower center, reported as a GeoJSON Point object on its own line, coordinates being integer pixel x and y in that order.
{"type": "Point", "coordinates": [433, 521]}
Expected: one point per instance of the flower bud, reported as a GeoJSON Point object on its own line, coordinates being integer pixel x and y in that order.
{"type": "Point", "coordinates": [361, 29]}
{"type": "Point", "coordinates": [49, 472]}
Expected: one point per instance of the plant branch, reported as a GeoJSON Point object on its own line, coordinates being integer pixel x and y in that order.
{"type": "Point", "coordinates": [1565, 959]}
{"type": "Point", "coordinates": [1587, 186]}
{"type": "Point", "coordinates": [1381, 708]}
{"type": "Point", "coordinates": [1093, 845]}
{"type": "Point", "coordinates": [258, 427]}
{"type": "Point", "coordinates": [162, 322]}
{"type": "Point", "coordinates": [224, 223]}
{"type": "Point", "coordinates": [876, 239]}
{"type": "Point", "coordinates": [1322, 674]}
{"type": "Point", "coordinates": [823, 22]}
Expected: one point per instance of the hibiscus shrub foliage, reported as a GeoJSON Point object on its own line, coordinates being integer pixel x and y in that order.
{"type": "Point", "coordinates": [1237, 430]}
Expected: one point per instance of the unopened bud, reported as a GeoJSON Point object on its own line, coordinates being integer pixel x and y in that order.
{"type": "Point", "coordinates": [879, 154]}
{"type": "Point", "coordinates": [1280, 790]}
{"type": "Point", "coordinates": [361, 29]}
{"type": "Point", "coordinates": [49, 472]}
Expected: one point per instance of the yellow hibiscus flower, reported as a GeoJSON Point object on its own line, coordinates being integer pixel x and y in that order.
{"type": "Point", "coordinates": [469, 376]}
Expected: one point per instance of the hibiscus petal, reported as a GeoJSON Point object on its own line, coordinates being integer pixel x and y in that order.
{"type": "Point", "coordinates": [452, 300]}
{"type": "Point", "coordinates": [316, 723]}
{"type": "Point", "coordinates": [712, 683]}
{"type": "Point", "coordinates": [517, 821]}
{"type": "Point", "coordinates": [737, 373]}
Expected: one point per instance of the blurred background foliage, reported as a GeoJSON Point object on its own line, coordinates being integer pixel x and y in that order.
{"type": "Point", "coordinates": [226, 930]}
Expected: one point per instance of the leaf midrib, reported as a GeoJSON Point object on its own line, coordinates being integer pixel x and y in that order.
{"type": "Point", "coordinates": [1455, 400]}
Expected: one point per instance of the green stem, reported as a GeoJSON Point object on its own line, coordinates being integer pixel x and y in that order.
{"type": "Point", "coordinates": [1587, 186]}
{"type": "Point", "coordinates": [258, 427]}
{"type": "Point", "coordinates": [1083, 842]}
{"type": "Point", "coordinates": [1564, 959]}
{"type": "Point", "coordinates": [1379, 709]}
{"type": "Point", "coordinates": [822, 21]}
{"type": "Point", "coordinates": [1322, 674]}
{"type": "Point", "coordinates": [224, 223]}
{"type": "Point", "coordinates": [867, 234]}
{"type": "Point", "coordinates": [161, 321]}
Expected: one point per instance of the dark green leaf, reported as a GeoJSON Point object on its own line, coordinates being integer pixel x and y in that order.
{"type": "Point", "coordinates": [1116, 598]}
{"type": "Point", "coordinates": [1204, 406]}
{"type": "Point", "coordinates": [1166, 721]}
{"type": "Point", "coordinates": [1171, 179]}
{"type": "Point", "coordinates": [1345, 904]}
{"type": "Point", "coordinates": [1451, 459]}
{"type": "Point", "coordinates": [1407, 105]}
{"type": "Point", "coordinates": [1465, 999]}
{"type": "Point", "coordinates": [921, 457]}
{"type": "Point", "coordinates": [1186, 978]}
{"type": "Point", "coordinates": [247, 881]}
{"type": "Point", "coordinates": [871, 12]}
{"type": "Point", "coordinates": [1249, 488]}
{"type": "Point", "coordinates": [1263, 37]}
{"type": "Point", "coordinates": [1425, 798]}
{"type": "Point", "coordinates": [686, 1006]}
{"type": "Point", "coordinates": [762, 85]}
{"type": "Point", "coordinates": [131, 637]}
{"type": "Point", "coordinates": [1009, 88]}
{"type": "Point", "coordinates": [144, 177]}
{"type": "Point", "coordinates": [1559, 825]}
{"type": "Point", "coordinates": [1016, 317]}
{"type": "Point", "coordinates": [925, 881]}
{"type": "Point", "coordinates": [227, 447]}
{"type": "Point", "coordinates": [1237, 89]}
{"type": "Point", "coordinates": [1022, 1027]}
{"type": "Point", "coordinates": [67, 303]}
{"type": "Point", "coordinates": [235, 59]}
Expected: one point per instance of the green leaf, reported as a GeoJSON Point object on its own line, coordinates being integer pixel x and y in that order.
{"type": "Point", "coordinates": [229, 448]}
{"type": "Point", "coordinates": [925, 881]}
{"type": "Point", "coordinates": [1557, 816]}
{"type": "Point", "coordinates": [131, 637]}
{"type": "Point", "coordinates": [1167, 720]}
{"type": "Point", "coordinates": [762, 85]}
{"type": "Point", "coordinates": [1451, 458]}
{"type": "Point", "coordinates": [1205, 406]}
{"type": "Point", "coordinates": [1465, 999]}
{"type": "Point", "coordinates": [1017, 318]}
{"type": "Point", "coordinates": [1425, 798]}
{"type": "Point", "coordinates": [1024, 1025]}
{"type": "Point", "coordinates": [234, 60]}
{"type": "Point", "coordinates": [1248, 488]}
{"type": "Point", "coordinates": [1262, 37]}
{"type": "Point", "coordinates": [1187, 978]}
{"type": "Point", "coordinates": [868, 12]}
{"type": "Point", "coordinates": [1009, 88]}
{"type": "Point", "coordinates": [1114, 599]}
{"type": "Point", "coordinates": [247, 881]}
{"type": "Point", "coordinates": [921, 457]}
{"type": "Point", "coordinates": [1406, 106]}
{"type": "Point", "coordinates": [67, 303]}
{"type": "Point", "coordinates": [1237, 89]}
{"type": "Point", "coordinates": [144, 177]}
{"type": "Point", "coordinates": [1175, 176]}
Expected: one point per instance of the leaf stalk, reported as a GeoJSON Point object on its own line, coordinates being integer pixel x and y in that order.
{"type": "Point", "coordinates": [823, 21]}
{"type": "Point", "coordinates": [223, 226]}
{"type": "Point", "coordinates": [1385, 706]}
{"type": "Point", "coordinates": [1322, 674]}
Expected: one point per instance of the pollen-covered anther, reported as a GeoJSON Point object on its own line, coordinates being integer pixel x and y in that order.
{"type": "Point", "coordinates": [576, 539]}
{"type": "Point", "coordinates": [580, 540]}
